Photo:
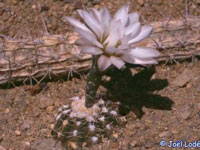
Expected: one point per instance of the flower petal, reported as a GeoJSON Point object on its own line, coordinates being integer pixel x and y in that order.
{"type": "Point", "coordinates": [77, 23]}
{"type": "Point", "coordinates": [128, 58]}
{"type": "Point", "coordinates": [122, 14]}
{"type": "Point", "coordinates": [132, 60]}
{"type": "Point", "coordinates": [115, 33]}
{"type": "Point", "coordinates": [133, 17]}
{"type": "Point", "coordinates": [116, 61]}
{"type": "Point", "coordinates": [103, 62]}
{"type": "Point", "coordinates": [145, 61]}
{"type": "Point", "coordinates": [92, 22]}
{"type": "Point", "coordinates": [105, 19]}
{"type": "Point", "coordinates": [132, 29]}
{"type": "Point", "coordinates": [111, 50]}
{"type": "Point", "coordinates": [143, 52]}
{"type": "Point", "coordinates": [145, 32]}
{"type": "Point", "coordinates": [89, 37]}
{"type": "Point", "coordinates": [80, 12]}
{"type": "Point", "coordinates": [97, 14]}
{"type": "Point", "coordinates": [82, 42]}
{"type": "Point", "coordinates": [91, 50]}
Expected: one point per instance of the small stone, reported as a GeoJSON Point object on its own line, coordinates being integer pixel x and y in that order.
{"type": "Point", "coordinates": [174, 131]}
{"type": "Point", "coordinates": [84, 144]}
{"type": "Point", "coordinates": [148, 123]}
{"type": "Point", "coordinates": [26, 125]}
{"type": "Point", "coordinates": [45, 102]}
{"type": "Point", "coordinates": [46, 132]}
{"type": "Point", "coordinates": [50, 109]}
{"type": "Point", "coordinates": [65, 122]}
{"type": "Point", "coordinates": [7, 110]}
{"type": "Point", "coordinates": [36, 113]}
{"type": "Point", "coordinates": [46, 144]}
{"type": "Point", "coordinates": [57, 103]}
{"type": "Point", "coordinates": [165, 134]}
{"type": "Point", "coordinates": [133, 143]}
{"type": "Point", "coordinates": [51, 126]}
{"type": "Point", "coordinates": [183, 79]}
{"type": "Point", "coordinates": [2, 148]}
{"type": "Point", "coordinates": [27, 143]}
{"type": "Point", "coordinates": [17, 132]}
{"type": "Point", "coordinates": [115, 135]}
{"type": "Point", "coordinates": [141, 2]}
{"type": "Point", "coordinates": [185, 115]}
{"type": "Point", "coordinates": [33, 6]}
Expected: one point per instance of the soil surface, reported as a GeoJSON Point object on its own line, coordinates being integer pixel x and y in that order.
{"type": "Point", "coordinates": [165, 100]}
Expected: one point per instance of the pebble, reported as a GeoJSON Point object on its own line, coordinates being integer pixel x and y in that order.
{"type": "Point", "coordinates": [45, 102]}
{"type": "Point", "coordinates": [17, 132]}
{"type": "Point", "coordinates": [46, 132]}
{"type": "Point", "coordinates": [115, 135]}
{"type": "Point", "coordinates": [46, 144]}
{"type": "Point", "coordinates": [183, 79]}
{"type": "Point", "coordinates": [33, 6]}
{"type": "Point", "coordinates": [174, 131]}
{"type": "Point", "coordinates": [57, 103]}
{"type": "Point", "coordinates": [133, 143]}
{"type": "Point", "coordinates": [165, 134]}
{"type": "Point", "coordinates": [141, 2]}
{"type": "Point", "coordinates": [2, 148]}
{"type": "Point", "coordinates": [7, 110]}
{"type": "Point", "coordinates": [26, 125]}
{"type": "Point", "coordinates": [27, 143]}
{"type": "Point", "coordinates": [50, 109]}
{"type": "Point", "coordinates": [185, 115]}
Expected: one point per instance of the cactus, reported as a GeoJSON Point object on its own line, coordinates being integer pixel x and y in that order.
{"type": "Point", "coordinates": [77, 126]}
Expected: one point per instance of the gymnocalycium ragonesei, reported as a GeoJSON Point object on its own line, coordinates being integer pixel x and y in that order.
{"type": "Point", "coordinates": [111, 41]}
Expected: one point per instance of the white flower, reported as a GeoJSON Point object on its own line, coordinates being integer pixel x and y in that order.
{"type": "Point", "coordinates": [113, 38]}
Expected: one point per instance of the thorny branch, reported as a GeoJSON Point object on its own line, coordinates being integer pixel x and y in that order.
{"type": "Point", "coordinates": [34, 60]}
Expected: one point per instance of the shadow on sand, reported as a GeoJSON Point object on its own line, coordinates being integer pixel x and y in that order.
{"type": "Point", "coordinates": [136, 91]}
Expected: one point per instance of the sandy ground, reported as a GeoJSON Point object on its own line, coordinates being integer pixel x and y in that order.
{"type": "Point", "coordinates": [165, 99]}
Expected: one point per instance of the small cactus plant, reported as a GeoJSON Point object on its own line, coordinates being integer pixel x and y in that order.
{"type": "Point", "coordinates": [77, 126]}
